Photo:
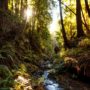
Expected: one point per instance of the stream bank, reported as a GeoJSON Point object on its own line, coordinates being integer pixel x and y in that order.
{"type": "Point", "coordinates": [72, 84]}
{"type": "Point", "coordinates": [63, 81]}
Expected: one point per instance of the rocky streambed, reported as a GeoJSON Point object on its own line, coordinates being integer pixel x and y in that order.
{"type": "Point", "coordinates": [53, 81]}
{"type": "Point", "coordinates": [50, 84]}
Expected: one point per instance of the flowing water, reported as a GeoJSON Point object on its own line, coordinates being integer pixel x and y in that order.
{"type": "Point", "coordinates": [50, 84]}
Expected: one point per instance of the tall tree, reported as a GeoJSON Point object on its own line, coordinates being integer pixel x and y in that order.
{"type": "Point", "coordinates": [12, 2]}
{"type": "Point", "coordinates": [80, 32]}
{"type": "Point", "coordinates": [23, 6]}
{"type": "Point", "coordinates": [17, 2]}
{"type": "Point", "coordinates": [4, 4]}
{"type": "Point", "coordinates": [87, 7]}
{"type": "Point", "coordinates": [3, 7]}
{"type": "Point", "coordinates": [38, 28]}
{"type": "Point", "coordinates": [66, 43]}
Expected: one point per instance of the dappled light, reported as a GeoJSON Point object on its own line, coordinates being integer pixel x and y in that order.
{"type": "Point", "coordinates": [23, 82]}
{"type": "Point", "coordinates": [44, 45]}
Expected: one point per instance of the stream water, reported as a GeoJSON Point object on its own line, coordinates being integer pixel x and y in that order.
{"type": "Point", "coordinates": [50, 84]}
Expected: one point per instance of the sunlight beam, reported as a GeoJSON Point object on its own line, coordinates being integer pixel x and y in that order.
{"type": "Point", "coordinates": [52, 27]}
{"type": "Point", "coordinates": [28, 13]}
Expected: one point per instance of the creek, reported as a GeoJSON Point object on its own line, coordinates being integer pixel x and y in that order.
{"type": "Point", "coordinates": [49, 83]}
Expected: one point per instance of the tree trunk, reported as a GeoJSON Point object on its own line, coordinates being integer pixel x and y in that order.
{"type": "Point", "coordinates": [80, 32]}
{"type": "Point", "coordinates": [85, 23]}
{"type": "Point", "coordinates": [16, 7]}
{"type": "Point", "coordinates": [21, 8]}
{"type": "Point", "coordinates": [87, 7]}
{"type": "Point", "coordinates": [12, 2]}
{"type": "Point", "coordinates": [66, 43]}
{"type": "Point", "coordinates": [4, 4]}
{"type": "Point", "coordinates": [3, 8]}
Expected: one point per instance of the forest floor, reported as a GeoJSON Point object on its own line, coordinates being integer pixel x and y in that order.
{"type": "Point", "coordinates": [77, 74]}
{"type": "Point", "coordinates": [72, 84]}
{"type": "Point", "coordinates": [72, 69]}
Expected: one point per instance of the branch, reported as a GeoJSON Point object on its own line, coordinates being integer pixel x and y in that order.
{"type": "Point", "coordinates": [75, 14]}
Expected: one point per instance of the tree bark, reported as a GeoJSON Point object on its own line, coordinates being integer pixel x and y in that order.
{"type": "Point", "coordinates": [16, 7]}
{"type": "Point", "coordinates": [12, 3]}
{"type": "Point", "coordinates": [80, 32]}
{"type": "Point", "coordinates": [87, 7]}
{"type": "Point", "coordinates": [4, 4]}
{"type": "Point", "coordinates": [22, 8]}
{"type": "Point", "coordinates": [66, 43]}
{"type": "Point", "coordinates": [3, 8]}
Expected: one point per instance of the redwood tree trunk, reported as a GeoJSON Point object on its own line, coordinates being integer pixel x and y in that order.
{"type": "Point", "coordinates": [4, 4]}
{"type": "Point", "coordinates": [87, 7]}
{"type": "Point", "coordinates": [66, 43]}
{"type": "Point", "coordinates": [3, 8]}
{"type": "Point", "coordinates": [80, 32]}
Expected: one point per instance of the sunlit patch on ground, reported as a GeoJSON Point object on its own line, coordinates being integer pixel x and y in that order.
{"type": "Point", "coordinates": [23, 82]}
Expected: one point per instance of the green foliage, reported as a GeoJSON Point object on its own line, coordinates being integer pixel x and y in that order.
{"type": "Point", "coordinates": [7, 55]}
{"type": "Point", "coordinates": [85, 43]}
{"type": "Point", "coordinates": [11, 21]}
{"type": "Point", "coordinates": [8, 49]}
{"type": "Point", "coordinates": [56, 58]}
{"type": "Point", "coordinates": [74, 51]}
{"type": "Point", "coordinates": [34, 40]}
{"type": "Point", "coordinates": [30, 56]}
{"type": "Point", "coordinates": [5, 71]}
{"type": "Point", "coordinates": [5, 76]}
{"type": "Point", "coordinates": [38, 31]}
{"type": "Point", "coordinates": [21, 70]}
{"type": "Point", "coordinates": [59, 38]}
